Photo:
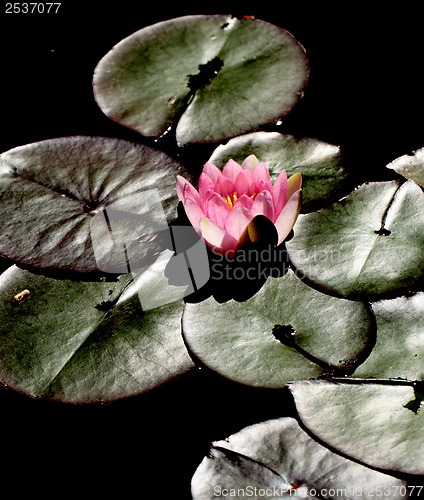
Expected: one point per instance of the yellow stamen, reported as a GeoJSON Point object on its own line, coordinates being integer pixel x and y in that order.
{"type": "Point", "coordinates": [229, 202]}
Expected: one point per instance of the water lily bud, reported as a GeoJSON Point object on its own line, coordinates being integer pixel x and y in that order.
{"type": "Point", "coordinates": [226, 202]}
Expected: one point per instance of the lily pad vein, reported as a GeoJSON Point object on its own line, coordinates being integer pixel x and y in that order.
{"type": "Point", "coordinates": [90, 332]}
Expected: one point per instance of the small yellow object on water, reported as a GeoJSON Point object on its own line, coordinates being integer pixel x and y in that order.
{"type": "Point", "coordinates": [19, 296]}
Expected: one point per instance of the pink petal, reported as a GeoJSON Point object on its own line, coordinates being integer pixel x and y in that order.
{"type": "Point", "coordinates": [263, 205]}
{"type": "Point", "coordinates": [259, 185]}
{"type": "Point", "coordinates": [216, 237]}
{"type": "Point", "coordinates": [294, 183]}
{"type": "Point", "coordinates": [279, 190]}
{"type": "Point", "coordinates": [288, 216]}
{"type": "Point", "coordinates": [224, 186]}
{"type": "Point", "coordinates": [189, 193]}
{"type": "Point", "coordinates": [194, 213]}
{"type": "Point", "coordinates": [237, 221]}
{"type": "Point", "coordinates": [250, 163]}
{"type": "Point", "coordinates": [231, 170]}
{"type": "Point", "coordinates": [244, 201]}
{"type": "Point", "coordinates": [206, 186]}
{"type": "Point", "coordinates": [181, 185]}
{"type": "Point", "coordinates": [261, 172]}
{"type": "Point", "coordinates": [216, 209]}
{"type": "Point", "coordinates": [213, 172]}
{"type": "Point", "coordinates": [245, 183]}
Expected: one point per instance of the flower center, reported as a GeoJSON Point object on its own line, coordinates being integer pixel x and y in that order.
{"type": "Point", "coordinates": [231, 200]}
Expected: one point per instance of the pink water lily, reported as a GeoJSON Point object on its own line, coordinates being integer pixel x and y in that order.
{"type": "Point", "coordinates": [227, 201]}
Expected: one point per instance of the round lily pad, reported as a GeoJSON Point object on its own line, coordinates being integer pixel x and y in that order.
{"type": "Point", "coordinates": [85, 342]}
{"type": "Point", "coordinates": [56, 195]}
{"type": "Point", "coordinates": [286, 332]}
{"type": "Point", "coordinates": [209, 76]}
{"type": "Point", "coordinates": [373, 423]}
{"type": "Point", "coordinates": [320, 163]}
{"type": "Point", "coordinates": [369, 244]}
{"type": "Point", "coordinates": [277, 459]}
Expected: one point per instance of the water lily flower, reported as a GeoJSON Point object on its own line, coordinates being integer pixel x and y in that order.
{"type": "Point", "coordinates": [226, 202]}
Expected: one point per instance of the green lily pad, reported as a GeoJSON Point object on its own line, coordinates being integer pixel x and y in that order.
{"type": "Point", "coordinates": [369, 244]}
{"type": "Point", "coordinates": [368, 422]}
{"type": "Point", "coordinates": [286, 332]}
{"type": "Point", "coordinates": [399, 350]}
{"type": "Point", "coordinates": [81, 342]}
{"type": "Point", "coordinates": [320, 163]}
{"type": "Point", "coordinates": [410, 166]}
{"type": "Point", "coordinates": [210, 76]}
{"type": "Point", "coordinates": [54, 196]}
{"type": "Point", "coordinates": [277, 459]}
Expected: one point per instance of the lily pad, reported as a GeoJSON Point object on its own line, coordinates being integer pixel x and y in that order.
{"type": "Point", "coordinates": [210, 76]}
{"type": "Point", "coordinates": [286, 332]}
{"type": "Point", "coordinates": [81, 342]}
{"type": "Point", "coordinates": [410, 166]}
{"type": "Point", "coordinates": [368, 422]}
{"type": "Point", "coordinates": [277, 459]}
{"type": "Point", "coordinates": [54, 196]}
{"type": "Point", "coordinates": [369, 244]}
{"type": "Point", "coordinates": [320, 163]}
{"type": "Point", "coordinates": [399, 350]}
